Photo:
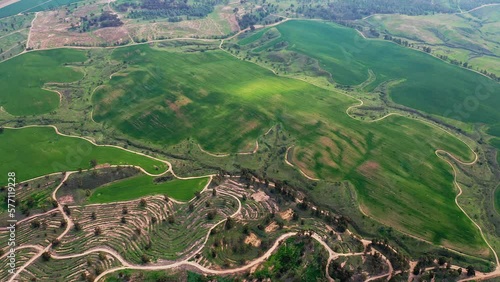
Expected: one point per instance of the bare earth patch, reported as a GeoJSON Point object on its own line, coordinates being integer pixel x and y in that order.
{"type": "Point", "coordinates": [102, 166]}
{"type": "Point", "coordinates": [369, 168]}
{"type": "Point", "coordinates": [52, 29]}
{"type": "Point", "coordinates": [65, 200]}
{"type": "Point", "coordinates": [260, 196]}
{"type": "Point", "coordinates": [287, 214]}
{"type": "Point", "coordinates": [273, 226]}
{"type": "Point", "coordinates": [253, 240]}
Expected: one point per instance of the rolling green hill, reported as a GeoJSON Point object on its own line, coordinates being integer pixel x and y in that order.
{"type": "Point", "coordinates": [143, 185]}
{"type": "Point", "coordinates": [224, 103]}
{"type": "Point", "coordinates": [23, 78]}
{"type": "Point", "coordinates": [429, 84]}
{"type": "Point", "coordinates": [36, 151]}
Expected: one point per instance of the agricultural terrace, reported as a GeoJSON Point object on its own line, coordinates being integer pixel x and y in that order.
{"type": "Point", "coordinates": [425, 83]}
{"type": "Point", "coordinates": [156, 227]}
{"type": "Point", "coordinates": [23, 79]}
{"type": "Point", "coordinates": [144, 185]}
{"type": "Point", "coordinates": [37, 151]}
{"type": "Point", "coordinates": [399, 178]}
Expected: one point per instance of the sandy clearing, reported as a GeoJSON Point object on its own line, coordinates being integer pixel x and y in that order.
{"type": "Point", "coordinates": [286, 215]}
{"type": "Point", "coordinates": [253, 240]}
{"type": "Point", "coordinates": [260, 196]}
{"type": "Point", "coordinates": [273, 226]}
{"type": "Point", "coordinates": [68, 199]}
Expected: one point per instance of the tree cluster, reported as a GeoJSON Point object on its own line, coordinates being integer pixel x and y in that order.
{"type": "Point", "coordinates": [92, 22]}
{"type": "Point", "coordinates": [357, 9]}
{"type": "Point", "coordinates": [173, 10]}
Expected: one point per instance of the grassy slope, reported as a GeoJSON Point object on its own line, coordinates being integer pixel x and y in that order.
{"type": "Point", "coordinates": [143, 185]}
{"type": "Point", "coordinates": [474, 33]}
{"type": "Point", "coordinates": [23, 77]}
{"type": "Point", "coordinates": [400, 180]}
{"type": "Point", "coordinates": [342, 52]}
{"type": "Point", "coordinates": [32, 152]}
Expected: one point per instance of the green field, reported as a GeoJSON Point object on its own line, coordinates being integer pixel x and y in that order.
{"type": "Point", "coordinates": [495, 142]}
{"type": "Point", "coordinates": [36, 151]}
{"type": "Point", "coordinates": [143, 185]}
{"type": "Point", "coordinates": [494, 130]}
{"type": "Point", "coordinates": [29, 6]}
{"type": "Point", "coordinates": [430, 84]}
{"type": "Point", "coordinates": [167, 97]}
{"type": "Point", "coordinates": [24, 76]}
{"type": "Point", "coordinates": [497, 199]}
{"type": "Point", "coordinates": [472, 34]}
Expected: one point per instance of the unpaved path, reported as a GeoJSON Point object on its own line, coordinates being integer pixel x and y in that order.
{"type": "Point", "coordinates": [221, 155]}
{"type": "Point", "coordinates": [477, 8]}
{"type": "Point", "coordinates": [31, 28]}
{"type": "Point", "coordinates": [298, 168]}
{"type": "Point", "coordinates": [46, 249]}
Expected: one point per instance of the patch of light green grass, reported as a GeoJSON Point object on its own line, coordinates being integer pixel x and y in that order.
{"type": "Point", "coordinates": [37, 151]}
{"type": "Point", "coordinates": [143, 185]}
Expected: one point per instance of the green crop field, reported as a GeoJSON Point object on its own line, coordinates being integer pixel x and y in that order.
{"type": "Point", "coordinates": [469, 37]}
{"type": "Point", "coordinates": [495, 142]}
{"type": "Point", "coordinates": [23, 78]}
{"type": "Point", "coordinates": [400, 180]}
{"type": "Point", "coordinates": [27, 6]}
{"type": "Point", "coordinates": [36, 151]}
{"type": "Point", "coordinates": [497, 200]}
{"type": "Point", "coordinates": [143, 185]}
{"type": "Point", "coordinates": [494, 130]}
{"type": "Point", "coordinates": [429, 84]}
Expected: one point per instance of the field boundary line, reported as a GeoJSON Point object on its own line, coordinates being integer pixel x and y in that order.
{"type": "Point", "coordinates": [296, 167]}
{"type": "Point", "coordinates": [170, 166]}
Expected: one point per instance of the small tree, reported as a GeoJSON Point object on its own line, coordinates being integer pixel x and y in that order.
{"type": "Point", "coordinates": [148, 245]}
{"type": "Point", "coordinates": [93, 215]}
{"type": "Point", "coordinates": [63, 223]}
{"type": "Point", "coordinates": [197, 194]}
{"type": "Point", "coordinates": [78, 226]}
{"type": "Point", "coordinates": [191, 207]}
{"type": "Point", "coordinates": [124, 210]}
{"type": "Point", "coordinates": [171, 219]}
{"type": "Point", "coordinates": [471, 271]}
{"type": "Point", "coordinates": [245, 230]}
{"type": "Point", "coordinates": [123, 220]}
{"type": "Point", "coordinates": [35, 223]}
{"type": "Point", "coordinates": [97, 231]}
{"type": "Point", "coordinates": [93, 163]}
{"type": "Point", "coordinates": [416, 270]}
{"type": "Point", "coordinates": [211, 214]}
{"type": "Point", "coordinates": [102, 256]}
{"type": "Point", "coordinates": [167, 199]}
{"type": "Point", "coordinates": [46, 256]}
{"type": "Point", "coordinates": [143, 203]}
{"type": "Point", "coordinates": [66, 210]}
{"type": "Point", "coordinates": [145, 259]}
{"type": "Point", "coordinates": [214, 192]}
{"type": "Point", "coordinates": [229, 223]}
{"type": "Point", "coordinates": [55, 242]}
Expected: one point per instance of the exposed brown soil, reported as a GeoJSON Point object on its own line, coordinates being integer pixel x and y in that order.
{"type": "Point", "coordinates": [253, 240]}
